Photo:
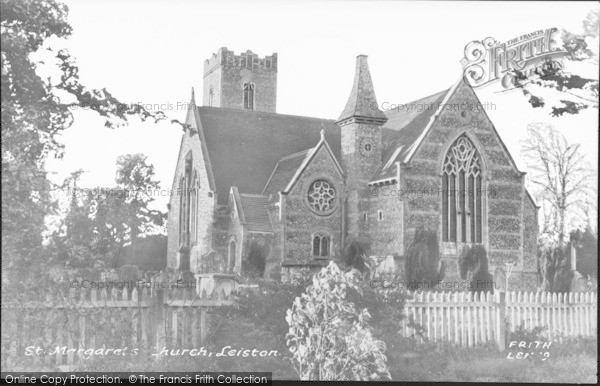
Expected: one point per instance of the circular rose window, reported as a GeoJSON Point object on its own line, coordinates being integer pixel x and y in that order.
{"type": "Point", "coordinates": [321, 197]}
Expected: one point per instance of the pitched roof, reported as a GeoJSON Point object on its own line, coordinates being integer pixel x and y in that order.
{"type": "Point", "coordinates": [284, 171]}
{"type": "Point", "coordinates": [309, 157]}
{"type": "Point", "coordinates": [256, 213]}
{"type": "Point", "coordinates": [413, 129]}
{"type": "Point", "coordinates": [403, 129]}
{"type": "Point", "coordinates": [245, 146]}
{"type": "Point", "coordinates": [362, 102]}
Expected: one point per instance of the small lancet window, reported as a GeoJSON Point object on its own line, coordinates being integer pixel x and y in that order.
{"type": "Point", "coordinates": [321, 245]}
{"type": "Point", "coordinates": [249, 96]}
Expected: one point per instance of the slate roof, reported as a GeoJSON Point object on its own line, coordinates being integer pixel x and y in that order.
{"type": "Point", "coordinates": [259, 152]}
{"type": "Point", "coordinates": [362, 101]}
{"type": "Point", "coordinates": [245, 146]}
{"type": "Point", "coordinates": [256, 214]}
{"type": "Point", "coordinates": [284, 171]}
{"type": "Point", "coordinates": [402, 130]}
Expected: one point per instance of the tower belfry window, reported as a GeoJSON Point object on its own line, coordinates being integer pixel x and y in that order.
{"type": "Point", "coordinates": [211, 96]}
{"type": "Point", "coordinates": [249, 96]}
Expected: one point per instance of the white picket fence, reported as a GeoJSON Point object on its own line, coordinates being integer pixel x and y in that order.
{"type": "Point", "coordinates": [468, 319]}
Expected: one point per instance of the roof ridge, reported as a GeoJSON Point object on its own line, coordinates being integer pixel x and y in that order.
{"type": "Point", "coordinates": [429, 96]}
{"type": "Point", "coordinates": [432, 119]}
{"type": "Point", "coordinates": [295, 154]}
{"type": "Point", "coordinates": [266, 113]}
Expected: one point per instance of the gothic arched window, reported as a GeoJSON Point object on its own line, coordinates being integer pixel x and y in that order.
{"type": "Point", "coordinates": [232, 255]}
{"type": "Point", "coordinates": [249, 96]}
{"type": "Point", "coordinates": [181, 193]}
{"type": "Point", "coordinates": [321, 245]}
{"type": "Point", "coordinates": [185, 210]}
{"type": "Point", "coordinates": [194, 207]}
{"type": "Point", "coordinates": [211, 95]}
{"type": "Point", "coordinates": [461, 201]}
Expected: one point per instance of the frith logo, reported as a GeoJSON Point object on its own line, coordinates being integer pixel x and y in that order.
{"type": "Point", "coordinates": [489, 60]}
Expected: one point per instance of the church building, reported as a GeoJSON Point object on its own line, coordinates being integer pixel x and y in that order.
{"type": "Point", "coordinates": [290, 191]}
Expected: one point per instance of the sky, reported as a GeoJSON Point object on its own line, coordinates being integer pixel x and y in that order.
{"type": "Point", "coordinates": [152, 52]}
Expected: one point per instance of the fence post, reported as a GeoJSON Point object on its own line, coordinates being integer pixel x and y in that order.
{"type": "Point", "coordinates": [203, 330]}
{"type": "Point", "coordinates": [160, 321]}
{"type": "Point", "coordinates": [501, 322]}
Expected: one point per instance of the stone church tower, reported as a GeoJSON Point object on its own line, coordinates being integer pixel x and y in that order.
{"type": "Point", "coordinates": [361, 145]}
{"type": "Point", "coordinates": [243, 82]}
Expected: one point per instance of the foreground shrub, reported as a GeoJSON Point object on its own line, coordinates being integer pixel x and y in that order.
{"type": "Point", "coordinates": [329, 338]}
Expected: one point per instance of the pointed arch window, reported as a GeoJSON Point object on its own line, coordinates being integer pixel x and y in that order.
{"type": "Point", "coordinates": [181, 192]}
{"type": "Point", "coordinates": [249, 96]}
{"type": "Point", "coordinates": [194, 207]}
{"type": "Point", "coordinates": [321, 245]}
{"type": "Point", "coordinates": [185, 211]}
{"type": "Point", "coordinates": [462, 199]}
{"type": "Point", "coordinates": [232, 255]}
{"type": "Point", "coordinates": [211, 95]}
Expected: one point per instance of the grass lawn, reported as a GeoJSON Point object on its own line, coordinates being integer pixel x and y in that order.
{"type": "Point", "coordinates": [571, 362]}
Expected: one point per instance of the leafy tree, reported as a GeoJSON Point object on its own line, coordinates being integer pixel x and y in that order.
{"type": "Point", "coordinates": [147, 253]}
{"type": "Point", "coordinates": [35, 111]}
{"type": "Point", "coordinates": [555, 268]}
{"type": "Point", "coordinates": [329, 338]}
{"type": "Point", "coordinates": [135, 177]}
{"type": "Point", "coordinates": [579, 93]}
{"type": "Point", "coordinates": [423, 264]}
{"type": "Point", "coordinates": [558, 269]}
{"type": "Point", "coordinates": [104, 221]}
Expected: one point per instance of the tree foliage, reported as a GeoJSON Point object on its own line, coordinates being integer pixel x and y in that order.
{"type": "Point", "coordinates": [35, 110]}
{"type": "Point", "coordinates": [423, 264]}
{"type": "Point", "coordinates": [148, 253]}
{"type": "Point", "coordinates": [473, 267]}
{"type": "Point", "coordinates": [105, 221]}
{"type": "Point", "coordinates": [254, 263]}
{"type": "Point", "coordinates": [330, 338]}
{"type": "Point", "coordinates": [354, 255]}
{"type": "Point", "coordinates": [556, 269]}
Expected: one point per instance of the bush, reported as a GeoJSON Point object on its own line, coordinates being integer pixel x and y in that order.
{"type": "Point", "coordinates": [423, 264]}
{"type": "Point", "coordinates": [253, 266]}
{"type": "Point", "coordinates": [258, 321]}
{"type": "Point", "coordinates": [266, 306]}
{"type": "Point", "coordinates": [354, 255]}
{"type": "Point", "coordinates": [149, 253]}
{"type": "Point", "coordinates": [473, 267]}
{"type": "Point", "coordinates": [557, 269]}
{"type": "Point", "coordinates": [330, 338]}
